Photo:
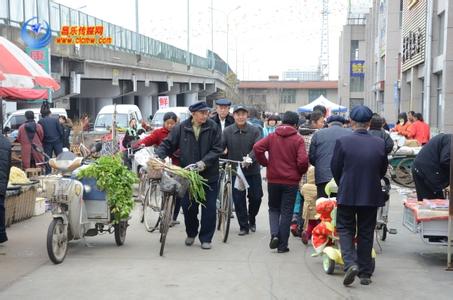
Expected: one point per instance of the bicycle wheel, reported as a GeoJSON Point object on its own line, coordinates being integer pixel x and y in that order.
{"type": "Point", "coordinates": [169, 206]}
{"type": "Point", "coordinates": [227, 200]}
{"type": "Point", "coordinates": [152, 207]}
{"type": "Point", "coordinates": [219, 203]}
{"type": "Point", "coordinates": [403, 172]}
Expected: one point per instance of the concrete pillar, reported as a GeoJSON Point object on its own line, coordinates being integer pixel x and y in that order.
{"type": "Point", "coordinates": [101, 102]}
{"type": "Point", "coordinates": [145, 103]}
{"type": "Point", "coordinates": [190, 98]}
{"type": "Point", "coordinates": [172, 100]}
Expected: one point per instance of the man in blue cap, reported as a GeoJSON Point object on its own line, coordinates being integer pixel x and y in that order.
{"type": "Point", "coordinates": [199, 141]}
{"type": "Point", "coordinates": [321, 151]}
{"type": "Point", "coordinates": [358, 164]}
{"type": "Point", "coordinates": [222, 116]}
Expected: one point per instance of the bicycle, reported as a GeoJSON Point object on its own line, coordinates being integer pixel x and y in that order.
{"type": "Point", "coordinates": [225, 197]}
{"type": "Point", "coordinates": [151, 199]}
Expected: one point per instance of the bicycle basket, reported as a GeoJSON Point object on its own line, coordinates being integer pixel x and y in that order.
{"type": "Point", "coordinates": [153, 171]}
{"type": "Point", "coordinates": [171, 183]}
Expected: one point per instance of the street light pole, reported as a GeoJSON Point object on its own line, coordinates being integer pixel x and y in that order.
{"type": "Point", "coordinates": [228, 34]}
{"type": "Point", "coordinates": [188, 35]}
{"type": "Point", "coordinates": [137, 40]}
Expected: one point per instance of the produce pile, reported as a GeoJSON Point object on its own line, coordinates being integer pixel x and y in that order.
{"type": "Point", "coordinates": [17, 176]}
{"type": "Point", "coordinates": [116, 180]}
{"type": "Point", "coordinates": [196, 181]}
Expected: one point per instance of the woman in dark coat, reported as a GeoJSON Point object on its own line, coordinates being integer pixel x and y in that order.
{"type": "Point", "coordinates": [30, 132]}
{"type": "Point", "coordinates": [66, 125]}
{"type": "Point", "coordinates": [376, 129]}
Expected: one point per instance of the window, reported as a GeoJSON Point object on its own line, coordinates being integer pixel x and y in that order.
{"type": "Point", "coordinates": [440, 44]}
{"type": "Point", "coordinates": [3, 9]}
{"type": "Point", "coordinates": [439, 101]}
{"type": "Point", "coordinates": [356, 84]}
{"type": "Point", "coordinates": [354, 50]}
{"type": "Point", "coordinates": [353, 102]}
{"type": "Point", "coordinates": [288, 96]}
{"type": "Point", "coordinates": [314, 94]}
{"type": "Point", "coordinates": [55, 16]}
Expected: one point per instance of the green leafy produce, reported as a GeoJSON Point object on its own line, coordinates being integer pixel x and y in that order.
{"type": "Point", "coordinates": [116, 180]}
{"type": "Point", "coordinates": [196, 181]}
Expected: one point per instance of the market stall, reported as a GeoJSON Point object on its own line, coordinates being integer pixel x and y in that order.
{"type": "Point", "coordinates": [321, 100]}
{"type": "Point", "coordinates": [21, 79]}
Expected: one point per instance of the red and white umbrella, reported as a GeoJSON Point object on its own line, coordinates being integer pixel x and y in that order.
{"type": "Point", "coordinates": [20, 76]}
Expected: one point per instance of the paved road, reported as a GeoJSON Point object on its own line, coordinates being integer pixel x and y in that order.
{"type": "Point", "coordinates": [244, 268]}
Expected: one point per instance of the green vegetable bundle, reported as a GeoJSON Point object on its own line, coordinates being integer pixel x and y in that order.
{"type": "Point", "coordinates": [196, 181]}
{"type": "Point", "coordinates": [116, 180]}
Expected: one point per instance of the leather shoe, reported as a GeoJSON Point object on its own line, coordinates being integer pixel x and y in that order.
{"type": "Point", "coordinates": [206, 246]}
{"type": "Point", "coordinates": [243, 232]}
{"type": "Point", "coordinates": [274, 242]}
{"type": "Point", "coordinates": [365, 280]}
{"type": "Point", "coordinates": [283, 250]}
{"type": "Point", "coordinates": [253, 228]}
{"type": "Point", "coordinates": [189, 241]}
{"type": "Point", "coordinates": [350, 275]}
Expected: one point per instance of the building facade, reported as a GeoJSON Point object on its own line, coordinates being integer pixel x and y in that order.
{"type": "Point", "coordinates": [351, 74]}
{"type": "Point", "coordinates": [427, 61]}
{"type": "Point", "coordinates": [280, 96]}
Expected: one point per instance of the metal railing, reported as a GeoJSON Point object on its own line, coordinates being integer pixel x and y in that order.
{"type": "Point", "coordinates": [15, 12]}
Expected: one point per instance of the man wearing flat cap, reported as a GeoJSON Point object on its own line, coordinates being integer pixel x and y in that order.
{"type": "Point", "coordinates": [359, 163]}
{"type": "Point", "coordinates": [199, 140]}
{"type": "Point", "coordinates": [222, 116]}
{"type": "Point", "coordinates": [321, 151]}
{"type": "Point", "coordinates": [239, 140]}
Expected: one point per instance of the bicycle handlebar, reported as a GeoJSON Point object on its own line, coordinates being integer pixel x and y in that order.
{"type": "Point", "coordinates": [231, 161]}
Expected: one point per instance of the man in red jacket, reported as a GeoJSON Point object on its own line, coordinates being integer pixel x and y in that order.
{"type": "Point", "coordinates": [286, 164]}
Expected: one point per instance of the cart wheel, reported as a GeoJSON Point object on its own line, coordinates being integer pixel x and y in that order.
{"type": "Point", "coordinates": [57, 241]}
{"type": "Point", "coordinates": [373, 264]}
{"type": "Point", "coordinates": [328, 264]}
{"type": "Point", "coordinates": [120, 232]}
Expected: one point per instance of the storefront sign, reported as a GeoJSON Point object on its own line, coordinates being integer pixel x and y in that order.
{"type": "Point", "coordinates": [357, 68]}
{"type": "Point", "coordinates": [412, 45]}
{"type": "Point", "coordinates": [40, 56]}
{"type": "Point", "coordinates": [164, 101]}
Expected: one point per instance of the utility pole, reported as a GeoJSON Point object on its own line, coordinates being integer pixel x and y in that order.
{"type": "Point", "coordinates": [137, 39]}
{"type": "Point", "coordinates": [188, 35]}
{"type": "Point", "coordinates": [324, 57]}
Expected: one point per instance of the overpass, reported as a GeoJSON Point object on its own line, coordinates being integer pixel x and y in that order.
{"type": "Point", "coordinates": [134, 69]}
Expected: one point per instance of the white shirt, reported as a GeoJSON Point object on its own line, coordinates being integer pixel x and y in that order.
{"type": "Point", "coordinates": [222, 124]}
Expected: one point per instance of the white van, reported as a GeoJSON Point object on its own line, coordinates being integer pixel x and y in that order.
{"type": "Point", "coordinates": [182, 112]}
{"type": "Point", "coordinates": [17, 118]}
{"type": "Point", "coordinates": [124, 113]}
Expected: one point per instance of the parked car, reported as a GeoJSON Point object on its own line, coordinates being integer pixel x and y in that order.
{"type": "Point", "coordinates": [124, 113]}
{"type": "Point", "coordinates": [17, 118]}
{"type": "Point", "coordinates": [182, 112]}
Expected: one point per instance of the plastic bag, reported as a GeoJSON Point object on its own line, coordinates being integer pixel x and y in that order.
{"type": "Point", "coordinates": [240, 183]}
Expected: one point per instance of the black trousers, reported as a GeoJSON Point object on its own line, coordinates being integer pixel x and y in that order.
{"type": "Point", "coordinates": [423, 189]}
{"type": "Point", "coordinates": [50, 149]}
{"type": "Point", "coordinates": [321, 189]}
{"type": "Point", "coordinates": [362, 218]}
{"type": "Point", "coordinates": [3, 237]}
{"type": "Point", "coordinates": [281, 207]}
{"type": "Point", "coordinates": [254, 194]}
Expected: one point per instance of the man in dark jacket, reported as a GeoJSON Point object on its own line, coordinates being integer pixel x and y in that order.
{"type": "Point", "coordinates": [199, 141]}
{"type": "Point", "coordinates": [5, 165]}
{"type": "Point", "coordinates": [53, 133]}
{"type": "Point", "coordinates": [376, 129]}
{"type": "Point", "coordinates": [286, 164]}
{"type": "Point", "coordinates": [239, 139]}
{"type": "Point", "coordinates": [431, 168]}
{"type": "Point", "coordinates": [359, 163]}
{"type": "Point", "coordinates": [222, 116]}
{"type": "Point", "coordinates": [321, 150]}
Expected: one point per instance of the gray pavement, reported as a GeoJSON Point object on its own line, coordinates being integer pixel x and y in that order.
{"type": "Point", "coordinates": [244, 268]}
